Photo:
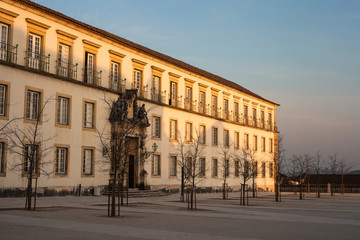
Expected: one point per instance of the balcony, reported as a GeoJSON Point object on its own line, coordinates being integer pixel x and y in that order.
{"type": "Point", "coordinates": [116, 84]}
{"type": "Point", "coordinates": [37, 61]}
{"type": "Point", "coordinates": [142, 90]}
{"type": "Point", "coordinates": [158, 97]}
{"type": "Point", "coordinates": [189, 105]}
{"type": "Point", "coordinates": [176, 102]}
{"type": "Point", "coordinates": [226, 115]}
{"type": "Point", "coordinates": [67, 70]}
{"type": "Point", "coordinates": [92, 77]}
{"type": "Point", "coordinates": [8, 53]}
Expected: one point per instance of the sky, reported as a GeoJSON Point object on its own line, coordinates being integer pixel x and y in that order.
{"type": "Point", "coordinates": [304, 55]}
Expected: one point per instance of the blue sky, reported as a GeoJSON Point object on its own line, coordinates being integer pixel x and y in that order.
{"type": "Point", "coordinates": [304, 55]}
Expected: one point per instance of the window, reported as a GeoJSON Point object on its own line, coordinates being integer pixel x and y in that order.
{"type": "Point", "coordinates": [188, 98]}
{"type": "Point", "coordinates": [3, 100]}
{"type": "Point", "coordinates": [61, 161]}
{"type": "Point", "coordinates": [237, 168]}
{"type": "Point", "coordinates": [246, 114]}
{"type": "Point", "coordinates": [214, 167]}
{"type": "Point", "coordinates": [271, 170]}
{"type": "Point", "coordinates": [262, 118]}
{"type": "Point", "coordinates": [173, 94]}
{"type": "Point", "coordinates": [227, 168]}
{"type": "Point", "coordinates": [263, 169]}
{"type": "Point", "coordinates": [270, 120]}
{"type": "Point", "coordinates": [226, 109]}
{"type": "Point", "coordinates": [271, 145]}
{"type": "Point", "coordinates": [31, 158]}
{"type": "Point", "coordinates": [34, 51]}
{"type": "Point", "coordinates": [215, 136]}
{"type": "Point", "coordinates": [246, 141]}
{"type": "Point", "coordinates": [137, 79]}
{"type": "Point", "coordinates": [64, 60]}
{"type": "Point", "coordinates": [173, 165]}
{"type": "Point", "coordinates": [2, 158]}
{"type": "Point", "coordinates": [188, 166]}
{"type": "Point", "coordinates": [202, 102]}
{"type": "Point", "coordinates": [155, 93]}
{"type": "Point", "coordinates": [202, 168]}
{"type": "Point", "coordinates": [173, 129]}
{"type": "Point", "coordinates": [188, 132]}
{"type": "Point", "coordinates": [226, 138]}
{"type": "Point", "coordinates": [89, 67]}
{"type": "Point", "coordinates": [263, 144]}
{"type": "Point", "coordinates": [156, 127]}
{"type": "Point", "coordinates": [87, 164]}
{"type": "Point", "coordinates": [114, 75]}
{"type": "Point", "coordinates": [254, 116]}
{"type": "Point", "coordinates": [63, 110]}
{"type": "Point", "coordinates": [4, 38]}
{"type": "Point", "coordinates": [214, 106]}
{"type": "Point", "coordinates": [202, 133]}
{"type": "Point", "coordinates": [236, 112]}
{"type": "Point", "coordinates": [255, 143]}
{"type": "Point", "coordinates": [237, 140]}
{"type": "Point", "coordinates": [32, 105]}
{"type": "Point", "coordinates": [89, 115]}
{"type": "Point", "coordinates": [156, 165]}
{"type": "Point", "coordinates": [256, 168]}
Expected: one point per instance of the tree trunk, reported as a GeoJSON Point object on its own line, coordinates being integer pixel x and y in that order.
{"type": "Point", "coordinates": [253, 187]}
{"type": "Point", "coordinates": [182, 184]}
{"type": "Point", "coordinates": [29, 192]}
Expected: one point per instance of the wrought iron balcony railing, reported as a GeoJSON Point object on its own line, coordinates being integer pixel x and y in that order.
{"type": "Point", "coordinates": [142, 90]}
{"type": "Point", "coordinates": [37, 61]}
{"type": "Point", "coordinates": [117, 84]}
{"type": "Point", "coordinates": [176, 102]}
{"type": "Point", "coordinates": [65, 69]}
{"type": "Point", "coordinates": [92, 77]}
{"type": "Point", "coordinates": [8, 53]}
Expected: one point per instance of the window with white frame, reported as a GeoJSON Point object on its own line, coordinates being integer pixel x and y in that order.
{"type": "Point", "coordinates": [202, 167]}
{"type": "Point", "coordinates": [271, 170]}
{"type": "Point", "coordinates": [114, 75]}
{"type": "Point", "coordinates": [63, 104]}
{"type": "Point", "coordinates": [188, 132]}
{"type": "Point", "coordinates": [156, 165]}
{"type": "Point", "coordinates": [226, 109]}
{"type": "Point", "coordinates": [173, 129]}
{"type": "Point", "coordinates": [31, 158]}
{"type": "Point", "coordinates": [255, 143]}
{"type": "Point", "coordinates": [34, 51]}
{"type": "Point", "coordinates": [155, 93]}
{"type": "Point", "coordinates": [87, 168]}
{"type": "Point", "coordinates": [236, 112]}
{"type": "Point", "coordinates": [227, 168]}
{"type": "Point", "coordinates": [173, 165]}
{"type": "Point", "coordinates": [246, 141]}
{"type": "Point", "coordinates": [226, 138]}
{"type": "Point", "coordinates": [4, 38]}
{"type": "Point", "coordinates": [32, 105]}
{"type": "Point", "coordinates": [254, 116]}
{"type": "Point", "coordinates": [173, 94]}
{"type": "Point", "coordinates": [64, 60]}
{"type": "Point", "coordinates": [237, 168]}
{"type": "Point", "coordinates": [263, 169]}
{"type": "Point", "coordinates": [214, 105]}
{"type": "Point", "coordinates": [246, 114]}
{"type": "Point", "coordinates": [214, 167]}
{"type": "Point", "coordinates": [156, 127]}
{"type": "Point", "coordinates": [202, 102]}
{"type": "Point", "coordinates": [3, 103]}
{"type": "Point", "coordinates": [214, 136]}
{"type": "Point", "coordinates": [263, 144]}
{"type": "Point", "coordinates": [89, 67]}
{"type": "Point", "coordinates": [89, 115]}
{"type": "Point", "coordinates": [237, 140]}
{"type": "Point", "coordinates": [188, 97]}
{"type": "Point", "coordinates": [202, 132]}
{"type": "Point", "coordinates": [61, 160]}
{"type": "Point", "coordinates": [137, 79]}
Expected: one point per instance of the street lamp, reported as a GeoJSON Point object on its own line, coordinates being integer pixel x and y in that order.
{"type": "Point", "coordinates": [154, 148]}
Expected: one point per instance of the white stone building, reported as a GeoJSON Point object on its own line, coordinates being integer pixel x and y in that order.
{"type": "Point", "coordinates": [47, 55]}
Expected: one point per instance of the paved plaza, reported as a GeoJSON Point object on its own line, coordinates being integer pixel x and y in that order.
{"type": "Point", "coordinates": [336, 217]}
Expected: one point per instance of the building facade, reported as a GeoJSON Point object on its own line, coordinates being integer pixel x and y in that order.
{"type": "Point", "coordinates": [51, 62]}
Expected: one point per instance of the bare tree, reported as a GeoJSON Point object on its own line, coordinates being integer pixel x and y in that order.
{"type": "Point", "coordinates": [225, 165]}
{"type": "Point", "coordinates": [344, 167]}
{"type": "Point", "coordinates": [31, 145]}
{"type": "Point", "coordinates": [192, 165]}
{"type": "Point", "coordinates": [126, 122]}
{"type": "Point", "coordinates": [278, 157]}
{"type": "Point", "coordinates": [182, 150]}
{"type": "Point", "coordinates": [246, 166]}
{"type": "Point", "coordinates": [333, 165]}
{"type": "Point", "coordinates": [300, 166]}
